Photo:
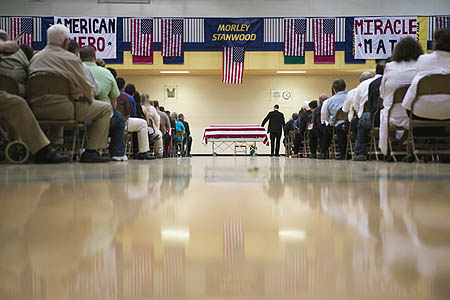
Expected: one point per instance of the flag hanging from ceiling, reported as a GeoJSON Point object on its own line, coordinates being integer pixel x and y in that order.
{"type": "Point", "coordinates": [442, 22]}
{"type": "Point", "coordinates": [233, 65]}
{"type": "Point", "coordinates": [142, 41]}
{"type": "Point", "coordinates": [19, 25]}
{"type": "Point", "coordinates": [294, 37]}
{"type": "Point", "coordinates": [324, 40]}
{"type": "Point", "coordinates": [172, 37]}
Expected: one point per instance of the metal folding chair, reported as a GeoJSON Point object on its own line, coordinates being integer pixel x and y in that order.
{"type": "Point", "coordinates": [45, 83]}
{"type": "Point", "coordinates": [394, 150]}
{"type": "Point", "coordinates": [436, 84]}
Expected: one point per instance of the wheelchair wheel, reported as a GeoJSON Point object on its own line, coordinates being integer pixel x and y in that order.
{"type": "Point", "coordinates": [16, 152]}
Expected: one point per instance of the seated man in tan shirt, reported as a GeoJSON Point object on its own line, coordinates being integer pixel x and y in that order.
{"type": "Point", "coordinates": [55, 58]}
{"type": "Point", "coordinates": [15, 111]}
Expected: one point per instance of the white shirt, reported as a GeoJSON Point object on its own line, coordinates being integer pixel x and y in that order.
{"type": "Point", "coordinates": [154, 116]}
{"type": "Point", "coordinates": [362, 95]}
{"type": "Point", "coordinates": [430, 106]}
{"type": "Point", "coordinates": [348, 104]}
{"type": "Point", "coordinates": [396, 74]}
{"type": "Point", "coordinates": [324, 113]}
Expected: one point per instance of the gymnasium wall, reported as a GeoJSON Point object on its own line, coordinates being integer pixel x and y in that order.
{"type": "Point", "coordinates": [229, 8]}
{"type": "Point", "coordinates": [204, 100]}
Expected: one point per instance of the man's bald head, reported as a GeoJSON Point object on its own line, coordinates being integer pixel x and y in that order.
{"type": "Point", "coordinates": [364, 76]}
{"type": "Point", "coordinates": [87, 54]}
{"type": "Point", "coordinates": [322, 98]}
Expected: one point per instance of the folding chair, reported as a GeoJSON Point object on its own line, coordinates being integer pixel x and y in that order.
{"type": "Point", "coordinates": [341, 116]}
{"type": "Point", "coordinates": [177, 145]}
{"type": "Point", "coordinates": [45, 83]}
{"type": "Point", "coordinates": [394, 150]}
{"type": "Point", "coordinates": [306, 147]}
{"type": "Point", "coordinates": [436, 84]}
{"type": "Point", "coordinates": [375, 131]}
{"type": "Point", "coordinates": [289, 143]}
{"type": "Point", "coordinates": [9, 85]}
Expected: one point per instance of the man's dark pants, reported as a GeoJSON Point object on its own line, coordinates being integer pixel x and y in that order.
{"type": "Point", "coordinates": [275, 137]}
{"type": "Point", "coordinates": [341, 133]}
{"type": "Point", "coordinates": [117, 134]}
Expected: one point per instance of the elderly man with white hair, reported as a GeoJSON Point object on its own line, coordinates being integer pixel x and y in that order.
{"type": "Point", "coordinates": [55, 58]}
{"type": "Point", "coordinates": [17, 114]}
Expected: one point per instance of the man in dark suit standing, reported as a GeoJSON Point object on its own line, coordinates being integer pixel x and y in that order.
{"type": "Point", "coordinates": [276, 123]}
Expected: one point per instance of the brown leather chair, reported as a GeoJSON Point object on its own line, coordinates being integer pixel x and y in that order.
{"type": "Point", "coordinates": [44, 83]}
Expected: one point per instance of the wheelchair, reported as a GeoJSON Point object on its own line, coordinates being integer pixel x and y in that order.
{"type": "Point", "coordinates": [12, 151]}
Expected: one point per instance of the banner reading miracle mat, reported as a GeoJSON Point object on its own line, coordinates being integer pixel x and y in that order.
{"type": "Point", "coordinates": [98, 32]}
{"type": "Point", "coordinates": [376, 37]}
{"type": "Point", "coordinates": [234, 32]}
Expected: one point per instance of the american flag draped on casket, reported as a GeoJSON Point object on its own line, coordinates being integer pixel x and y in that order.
{"type": "Point", "coordinates": [235, 133]}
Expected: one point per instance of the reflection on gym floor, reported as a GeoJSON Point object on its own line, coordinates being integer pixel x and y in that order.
{"type": "Point", "coordinates": [228, 228]}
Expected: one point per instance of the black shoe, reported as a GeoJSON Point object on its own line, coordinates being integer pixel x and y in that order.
{"type": "Point", "coordinates": [409, 158]}
{"type": "Point", "coordinates": [152, 138]}
{"type": "Point", "coordinates": [145, 156]}
{"type": "Point", "coordinates": [322, 156]}
{"type": "Point", "coordinates": [390, 159]}
{"type": "Point", "coordinates": [48, 155]}
{"type": "Point", "coordinates": [360, 158]}
{"type": "Point", "coordinates": [340, 157]}
{"type": "Point", "coordinates": [313, 156]}
{"type": "Point", "coordinates": [93, 157]}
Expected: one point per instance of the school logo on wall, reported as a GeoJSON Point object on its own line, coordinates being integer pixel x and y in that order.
{"type": "Point", "coordinates": [97, 32]}
{"type": "Point", "coordinates": [375, 38]}
{"type": "Point", "coordinates": [281, 95]}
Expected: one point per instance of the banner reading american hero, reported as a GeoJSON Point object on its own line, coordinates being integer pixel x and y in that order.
{"type": "Point", "coordinates": [234, 32]}
{"type": "Point", "coordinates": [376, 37]}
{"type": "Point", "coordinates": [98, 32]}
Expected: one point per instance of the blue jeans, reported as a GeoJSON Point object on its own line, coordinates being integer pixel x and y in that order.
{"type": "Point", "coordinates": [117, 134]}
{"type": "Point", "coordinates": [362, 136]}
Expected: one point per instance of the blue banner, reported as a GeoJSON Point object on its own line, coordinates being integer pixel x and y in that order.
{"type": "Point", "coordinates": [350, 42]}
{"type": "Point", "coordinates": [235, 32]}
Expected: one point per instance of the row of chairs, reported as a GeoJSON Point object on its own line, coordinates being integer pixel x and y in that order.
{"type": "Point", "coordinates": [436, 84]}
{"type": "Point", "coordinates": [44, 83]}
{"type": "Point", "coordinates": [411, 142]}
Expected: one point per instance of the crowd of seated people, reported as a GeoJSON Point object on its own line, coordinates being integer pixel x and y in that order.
{"type": "Point", "coordinates": [98, 97]}
{"type": "Point", "coordinates": [114, 110]}
{"type": "Point", "coordinates": [355, 114]}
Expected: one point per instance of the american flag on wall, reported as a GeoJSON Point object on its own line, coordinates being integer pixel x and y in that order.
{"type": "Point", "coordinates": [5, 24]}
{"type": "Point", "coordinates": [323, 30]}
{"type": "Point", "coordinates": [19, 25]}
{"type": "Point", "coordinates": [233, 65]}
{"type": "Point", "coordinates": [172, 37]}
{"type": "Point", "coordinates": [442, 22]}
{"type": "Point", "coordinates": [294, 37]}
{"type": "Point", "coordinates": [324, 40]}
{"type": "Point", "coordinates": [142, 39]}
{"type": "Point", "coordinates": [233, 240]}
